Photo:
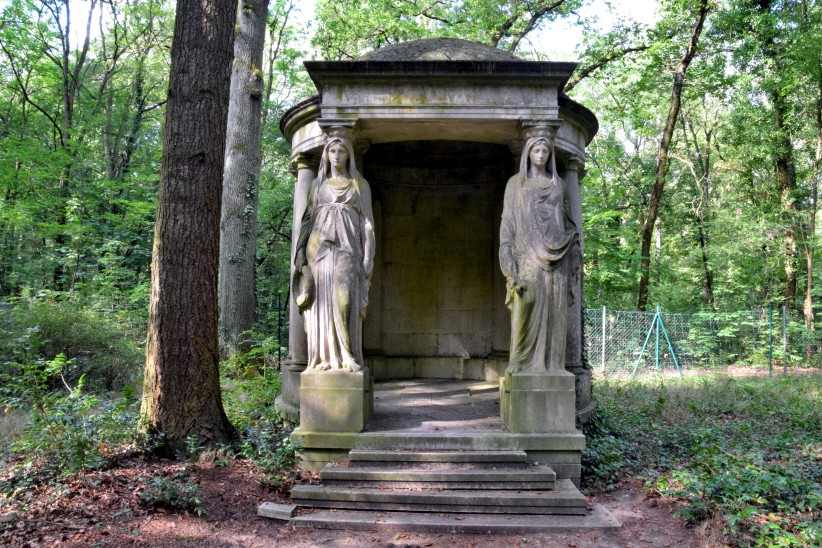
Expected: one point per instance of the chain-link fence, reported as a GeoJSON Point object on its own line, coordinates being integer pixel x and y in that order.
{"type": "Point", "coordinates": [628, 341]}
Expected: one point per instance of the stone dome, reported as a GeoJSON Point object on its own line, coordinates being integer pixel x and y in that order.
{"type": "Point", "coordinates": [439, 49]}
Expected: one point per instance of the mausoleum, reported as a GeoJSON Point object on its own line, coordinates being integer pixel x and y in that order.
{"type": "Point", "coordinates": [437, 128]}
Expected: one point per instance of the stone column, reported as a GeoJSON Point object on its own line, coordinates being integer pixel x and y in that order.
{"type": "Point", "coordinates": [361, 146]}
{"type": "Point", "coordinates": [288, 403]}
{"type": "Point", "coordinates": [573, 346]}
{"type": "Point", "coordinates": [538, 400]}
{"type": "Point", "coordinates": [575, 341]}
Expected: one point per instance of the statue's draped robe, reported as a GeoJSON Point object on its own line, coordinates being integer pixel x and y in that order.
{"type": "Point", "coordinates": [337, 232]}
{"type": "Point", "coordinates": [536, 233]}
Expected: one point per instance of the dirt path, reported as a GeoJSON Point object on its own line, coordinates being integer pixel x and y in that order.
{"type": "Point", "coordinates": [103, 509]}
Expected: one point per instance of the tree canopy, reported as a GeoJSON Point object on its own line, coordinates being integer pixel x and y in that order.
{"type": "Point", "coordinates": [83, 90]}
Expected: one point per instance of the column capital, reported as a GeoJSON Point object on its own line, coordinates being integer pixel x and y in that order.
{"type": "Point", "coordinates": [576, 163]}
{"type": "Point", "coordinates": [333, 127]}
{"type": "Point", "coordinates": [301, 160]}
{"type": "Point", "coordinates": [539, 128]}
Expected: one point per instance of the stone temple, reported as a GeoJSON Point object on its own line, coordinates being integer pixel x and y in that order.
{"type": "Point", "coordinates": [437, 128]}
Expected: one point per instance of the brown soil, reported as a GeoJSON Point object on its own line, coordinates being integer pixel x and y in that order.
{"type": "Point", "coordinates": [104, 509]}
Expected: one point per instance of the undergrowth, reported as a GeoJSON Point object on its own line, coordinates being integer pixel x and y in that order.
{"type": "Point", "coordinates": [64, 423]}
{"type": "Point", "coordinates": [744, 449]}
{"type": "Point", "coordinates": [177, 493]}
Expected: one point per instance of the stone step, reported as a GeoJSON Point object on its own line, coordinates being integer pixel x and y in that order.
{"type": "Point", "coordinates": [516, 476]}
{"type": "Point", "coordinates": [373, 455]}
{"type": "Point", "coordinates": [362, 520]}
{"type": "Point", "coordinates": [565, 499]}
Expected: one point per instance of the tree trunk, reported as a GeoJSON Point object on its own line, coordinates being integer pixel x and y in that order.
{"type": "Point", "coordinates": [662, 157]}
{"type": "Point", "coordinates": [784, 161]}
{"type": "Point", "coordinates": [810, 240]}
{"type": "Point", "coordinates": [181, 392]}
{"type": "Point", "coordinates": [786, 176]}
{"type": "Point", "coordinates": [238, 224]}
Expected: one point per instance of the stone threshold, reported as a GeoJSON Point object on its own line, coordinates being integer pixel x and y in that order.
{"type": "Point", "coordinates": [445, 440]}
{"type": "Point", "coordinates": [362, 520]}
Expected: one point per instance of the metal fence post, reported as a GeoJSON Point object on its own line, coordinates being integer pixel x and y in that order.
{"type": "Point", "coordinates": [656, 348]}
{"type": "Point", "coordinates": [770, 340]}
{"type": "Point", "coordinates": [604, 324]}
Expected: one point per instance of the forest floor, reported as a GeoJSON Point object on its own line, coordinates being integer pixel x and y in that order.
{"type": "Point", "coordinates": [104, 508]}
{"type": "Point", "coordinates": [661, 449]}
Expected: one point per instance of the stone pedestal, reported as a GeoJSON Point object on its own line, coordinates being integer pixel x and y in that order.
{"type": "Point", "coordinates": [534, 402]}
{"type": "Point", "coordinates": [334, 401]}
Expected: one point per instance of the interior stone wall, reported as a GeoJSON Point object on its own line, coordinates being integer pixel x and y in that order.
{"type": "Point", "coordinates": [433, 306]}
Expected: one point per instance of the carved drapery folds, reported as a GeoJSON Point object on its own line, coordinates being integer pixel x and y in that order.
{"type": "Point", "coordinates": [334, 257]}
{"type": "Point", "coordinates": [536, 233]}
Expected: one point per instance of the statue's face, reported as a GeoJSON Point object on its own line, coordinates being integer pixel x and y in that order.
{"type": "Point", "coordinates": [338, 155]}
{"type": "Point", "coordinates": [539, 154]}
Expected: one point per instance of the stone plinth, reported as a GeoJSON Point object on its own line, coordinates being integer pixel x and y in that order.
{"type": "Point", "coordinates": [538, 401]}
{"type": "Point", "coordinates": [333, 401]}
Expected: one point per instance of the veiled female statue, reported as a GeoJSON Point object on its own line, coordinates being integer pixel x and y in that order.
{"type": "Point", "coordinates": [536, 233]}
{"type": "Point", "coordinates": [333, 261]}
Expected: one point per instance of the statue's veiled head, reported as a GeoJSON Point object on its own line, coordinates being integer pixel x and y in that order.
{"type": "Point", "coordinates": [538, 151]}
{"type": "Point", "coordinates": [339, 153]}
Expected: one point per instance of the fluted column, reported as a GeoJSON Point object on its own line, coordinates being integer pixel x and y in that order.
{"type": "Point", "coordinates": [573, 346]}
{"type": "Point", "coordinates": [288, 403]}
{"type": "Point", "coordinates": [574, 171]}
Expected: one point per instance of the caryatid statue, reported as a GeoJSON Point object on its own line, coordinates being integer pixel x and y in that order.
{"type": "Point", "coordinates": [333, 261]}
{"type": "Point", "coordinates": [536, 233]}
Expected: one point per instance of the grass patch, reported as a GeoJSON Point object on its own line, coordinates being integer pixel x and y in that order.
{"type": "Point", "coordinates": [745, 450]}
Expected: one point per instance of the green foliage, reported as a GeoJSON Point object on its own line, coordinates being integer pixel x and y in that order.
{"type": "Point", "coordinates": [68, 433]}
{"type": "Point", "coordinates": [250, 386]}
{"type": "Point", "coordinates": [176, 493]}
{"type": "Point", "coordinates": [348, 29]}
{"type": "Point", "coordinates": [50, 344]}
{"type": "Point", "coordinates": [269, 446]}
{"type": "Point", "coordinates": [742, 449]}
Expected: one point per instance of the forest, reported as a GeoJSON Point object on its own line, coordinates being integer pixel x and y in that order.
{"type": "Point", "coordinates": [700, 195]}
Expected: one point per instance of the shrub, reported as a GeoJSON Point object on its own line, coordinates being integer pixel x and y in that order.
{"type": "Point", "coordinates": [90, 344]}
{"type": "Point", "coordinates": [67, 434]}
{"type": "Point", "coordinates": [742, 450]}
{"type": "Point", "coordinates": [177, 493]}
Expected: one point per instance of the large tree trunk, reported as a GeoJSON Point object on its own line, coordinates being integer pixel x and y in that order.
{"type": "Point", "coordinates": [784, 161]}
{"type": "Point", "coordinates": [181, 393]}
{"type": "Point", "coordinates": [786, 176]}
{"type": "Point", "coordinates": [810, 240]}
{"type": "Point", "coordinates": [662, 157]}
{"type": "Point", "coordinates": [238, 225]}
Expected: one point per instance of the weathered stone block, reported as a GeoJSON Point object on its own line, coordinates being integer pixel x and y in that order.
{"type": "Point", "coordinates": [333, 401]}
{"type": "Point", "coordinates": [276, 511]}
{"type": "Point", "coordinates": [540, 402]}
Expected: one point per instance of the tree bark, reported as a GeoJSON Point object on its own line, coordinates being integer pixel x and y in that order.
{"type": "Point", "coordinates": [786, 177]}
{"type": "Point", "coordinates": [181, 392]}
{"type": "Point", "coordinates": [238, 225]}
{"type": "Point", "coordinates": [662, 156]}
{"type": "Point", "coordinates": [810, 240]}
{"type": "Point", "coordinates": [784, 161]}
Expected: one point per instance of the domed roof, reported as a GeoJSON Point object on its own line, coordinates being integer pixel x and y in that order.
{"type": "Point", "coordinates": [439, 49]}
